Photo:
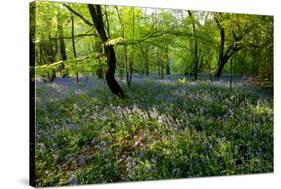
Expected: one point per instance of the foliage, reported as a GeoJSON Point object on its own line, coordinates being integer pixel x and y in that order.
{"type": "Point", "coordinates": [168, 126]}
{"type": "Point", "coordinates": [163, 130]}
{"type": "Point", "coordinates": [148, 33]}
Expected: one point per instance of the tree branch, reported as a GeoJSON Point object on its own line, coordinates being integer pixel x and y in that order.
{"type": "Point", "coordinates": [79, 35]}
{"type": "Point", "coordinates": [79, 15]}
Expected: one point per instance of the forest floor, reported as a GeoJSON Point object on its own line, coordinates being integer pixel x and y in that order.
{"type": "Point", "coordinates": [164, 129]}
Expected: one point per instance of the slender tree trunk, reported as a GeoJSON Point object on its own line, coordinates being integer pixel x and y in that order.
{"type": "Point", "coordinates": [255, 62]}
{"type": "Point", "coordinates": [168, 68]}
{"type": "Point", "coordinates": [99, 71]}
{"type": "Point", "coordinates": [49, 52]}
{"type": "Point", "coordinates": [195, 59]}
{"type": "Point", "coordinates": [167, 61]}
{"type": "Point", "coordinates": [160, 64]}
{"type": "Point", "coordinates": [133, 49]}
{"type": "Point", "coordinates": [96, 15]}
{"type": "Point", "coordinates": [144, 51]}
{"type": "Point", "coordinates": [231, 73]}
{"type": "Point", "coordinates": [162, 75]}
{"type": "Point", "coordinates": [126, 65]}
{"type": "Point", "coordinates": [73, 46]}
{"type": "Point", "coordinates": [64, 71]}
{"type": "Point", "coordinates": [106, 22]}
{"type": "Point", "coordinates": [146, 61]}
{"type": "Point", "coordinates": [122, 70]}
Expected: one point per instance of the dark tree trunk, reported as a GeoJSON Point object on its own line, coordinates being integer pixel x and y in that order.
{"type": "Point", "coordinates": [219, 70]}
{"type": "Point", "coordinates": [167, 61]}
{"type": "Point", "coordinates": [195, 59]}
{"type": "Point", "coordinates": [255, 61]}
{"type": "Point", "coordinates": [99, 71]}
{"type": "Point", "coordinates": [224, 59]}
{"type": "Point", "coordinates": [52, 54]}
{"type": "Point", "coordinates": [144, 51]}
{"type": "Point", "coordinates": [146, 62]}
{"type": "Point", "coordinates": [64, 71]}
{"type": "Point", "coordinates": [230, 82]}
{"type": "Point", "coordinates": [225, 55]}
{"type": "Point", "coordinates": [133, 50]}
{"type": "Point", "coordinates": [96, 15]}
{"type": "Point", "coordinates": [221, 63]}
{"type": "Point", "coordinates": [168, 68]}
{"type": "Point", "coordinates": [126, 64]}
{"type": "Point", "coordinates": [147, 69]}
{"type": "Point", "coordinates": [48, 55]}
{"type": "Point", "coordinates": [73, 46]}
{"type": "Point", "coordinates": [131, 70]}
{"type": "Point", "coordinates": [62, 49]}
{"type": "Point", "coordinates": [160, 69]}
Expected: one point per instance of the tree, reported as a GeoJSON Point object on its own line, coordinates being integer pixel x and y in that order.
{"type": "Point", "coordinates": [73, 47]}
{"type": "Point", "coordinates": [125, 54]}
{"type": "Point", "coordinates": [149, 41]}
{"type": "Point", "coordinates": [96, 15]}
{"type": "Point", "coordinates": [233, 34]}
{"type": "Point", "coordinates": [195, 58]}
{"type": "Point", "coordinates": [64, 71]}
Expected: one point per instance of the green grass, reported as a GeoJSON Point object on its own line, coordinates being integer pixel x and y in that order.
{"type": "Point", "coordinates": [189, 130]}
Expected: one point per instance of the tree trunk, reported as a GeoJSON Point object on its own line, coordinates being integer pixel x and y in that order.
{"type": "Point", "coordinates": [48, 55]}
{"type": "Point", "coordinates": [167, 61]}
{"type": "Point", "coordinates": [126, 64]}
{"type": "Point", "coordinates": [131, 63]}
{"type": "Point", "coordinates": [221, 49]}
{"type": "Point", "coordinates": [222, 62]}
{"type": "Point", "coordinates": [168, 68]}
{"type": "Point", "coordinates": [224, 56]}
{"type": "Point", "coordinates": [195, 59]}
{"type": "Point", "coordinates": [159, 63]}
{"type": "Point", "coordinates": [219, 69]}
{"type": "Point", "coordinates": [144, 51]}
{"type": "Point", "coordinates": [73, 47]}
{"type": "Point", "coordinates": [146, 62]}
{"type": "Point", "coordinates": [96, 15]}
{"type": "Point", "coordinates": [230, 82]}
{"type": "Point", "coordinates": [64, 71]}
{"type": "Point", "coordinates": [98, 48]}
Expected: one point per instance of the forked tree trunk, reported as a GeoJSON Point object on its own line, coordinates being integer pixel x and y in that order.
{"type": "Point", "coordinates": [96, 15]}
{"type": "Point", "coordinates": [225, 53]}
